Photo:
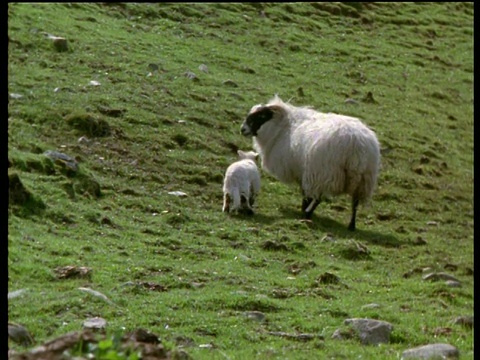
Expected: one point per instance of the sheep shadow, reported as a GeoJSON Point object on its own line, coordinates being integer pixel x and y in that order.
{"type": "Point", "coordinates": [339, 229]}
{"type": "Point", "coordinates": [257, 217]}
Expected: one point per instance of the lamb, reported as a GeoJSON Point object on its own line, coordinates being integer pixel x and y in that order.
{"type": "Point", "coordinates": [241, 184]}
{"type": "Point", "coordinates": [326, 154]}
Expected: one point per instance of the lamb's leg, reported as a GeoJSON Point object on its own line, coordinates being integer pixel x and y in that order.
{"type": "Point", "coordinates": [308, 207]}
{"type": "Point", "coordinates": [246, 205]}
{"type": "Point", "coordinates": [351, 226]}
{"type": "Point", "coordinates": [226, 203]}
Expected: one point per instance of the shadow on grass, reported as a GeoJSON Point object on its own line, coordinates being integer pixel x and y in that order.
{"type": "Point", "coordinates": [340, 230]}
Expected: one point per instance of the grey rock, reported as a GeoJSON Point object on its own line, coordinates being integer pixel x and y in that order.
{"type": "Point", "coordinates": [453, 283]}
{"type": "Point", "coordinates": [466, 321]}
{"type": "Point", "coordinates": [63, 158]}
{"type": "Point", "coordinates": [432, 351]}
{"type": "Point", "coordinates": [370, 306]}
{"type": "Point", "coordinates": [95, 323]}
{"type": "Point", "coordinates": [434, 276]}
{"type": "Point", "coordinates": [255, 315]}
{"type": "Point", "coordinates": [370, 331]}
{"type": "Point", "coordinates": [351, 101]}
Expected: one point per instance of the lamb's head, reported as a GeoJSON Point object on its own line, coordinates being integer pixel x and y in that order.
{"type": "Point", "coordinates": [259, 115]}
{"type": "Point", "coordinates": [251, 155]}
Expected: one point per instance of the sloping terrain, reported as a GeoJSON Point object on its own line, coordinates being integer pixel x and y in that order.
{"type": "Point", "coordinates": [122, 119]}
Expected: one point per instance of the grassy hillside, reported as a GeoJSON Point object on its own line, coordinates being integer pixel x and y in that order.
{"type": "Point", "coordinates": [148, 99]}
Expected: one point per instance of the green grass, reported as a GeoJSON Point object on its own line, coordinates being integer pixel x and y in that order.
{"type": "Point", "coordinates": [152, 130]}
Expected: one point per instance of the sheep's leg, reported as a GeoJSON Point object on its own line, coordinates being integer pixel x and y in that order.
{"type": "Point", "coordinates": [308, 207]}
{"type": "Point", "coordinates": [351, 226]}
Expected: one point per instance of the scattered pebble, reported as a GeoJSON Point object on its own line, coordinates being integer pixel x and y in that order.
{"type": "Point", "coordinates": [203, 68]}
{"type": "Point", "coordinates": [177, 193]}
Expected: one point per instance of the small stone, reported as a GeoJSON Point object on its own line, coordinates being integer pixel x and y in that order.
{"type": "Point", "coordinates": [370, 306]}
{"type": "Point", "coordinates": [16, 96]}
{"type": "Point", "coordinates": [190, 75]}
{"type": "Point", "coordinates": [96, 323]}
{"type": "Point", "coordinates": [59, 43]}
{"type": "Point", "coordinates": [453, 283]}
{"type": "Point", "coordinates": [230, 83]}
{"type": "Point", "coordinates": [177, 193]}
{"type": "Point", "coordinates": [432, 351]}
{"type": "Point", "coordinates": [351, 101]}
{"type": "Point", "coordinates": [466, 321]}
{"type": "Point", "coordinates": [255, 315]}
{"type": "Point", "coordinates": [439, 276]}
{"type": "Point", "coordinates": [203, 68]}
{"type": "Point", "coordinates": [19, 334]}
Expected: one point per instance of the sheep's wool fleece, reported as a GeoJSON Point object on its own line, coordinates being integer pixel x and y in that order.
{"type": "Point", "coordinates": [327, 154]}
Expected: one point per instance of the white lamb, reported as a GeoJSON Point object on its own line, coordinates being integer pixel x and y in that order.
{"type": "Point", "coordinates": [326, 154]}
{"type": "Point", "coordinates": [241, 184]}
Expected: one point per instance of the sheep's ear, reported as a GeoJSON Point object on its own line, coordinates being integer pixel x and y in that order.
{"type": "Point", "coordinates": [241, 153]}
{"type": "Point", "coordinates": [277, 109]}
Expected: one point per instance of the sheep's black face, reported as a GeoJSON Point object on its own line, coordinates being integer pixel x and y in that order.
{"type": "Point", "coordinates": [255, 120]}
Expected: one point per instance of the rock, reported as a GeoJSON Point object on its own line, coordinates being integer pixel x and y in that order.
{"type": "Point", "coordinates": [15, 96]}
{"type": "Point", "coordinates": [177, 193]}
{"type": "Point", "coordinates": [466, 321]}
{"type": "Point", "coordinates": [371, 332]}
{"type": "Point", "coordinates": [255, 315]}
{"type": "Point", "coordinates": [453, 283]}
{"type": "Point", "coordinates": [190, 75]}
{"type": "Point", "coordinates": [62, 159]}
{"type": "Point", "coordinates": [432, 351]}
{"type": "Point", "coordinates": [230, 83]}
{"type": "Point", "coordinates": [439, 276]}
{"type": "Point", "coordinates": [95, 323]}
{"type": "Point", "coordinates": [203, 68]}
{"type": "Point", "coordinates": [18, 334]}
{"type": "Point", "coordinates": [370, 306]}
{"type": "Point", "coordinates": [351, 101]}
{"type": "Point", "coordinates": [59, 43]}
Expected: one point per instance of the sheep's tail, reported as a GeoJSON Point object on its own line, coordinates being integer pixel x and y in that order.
{"type": "Point", "coordinates": [366, 187]}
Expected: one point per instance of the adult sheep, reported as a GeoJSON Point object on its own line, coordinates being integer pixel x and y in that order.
{"type": "Point", "coordinates": [326, 154]}
{"type": "Point", "coordinates": [241, 184]}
